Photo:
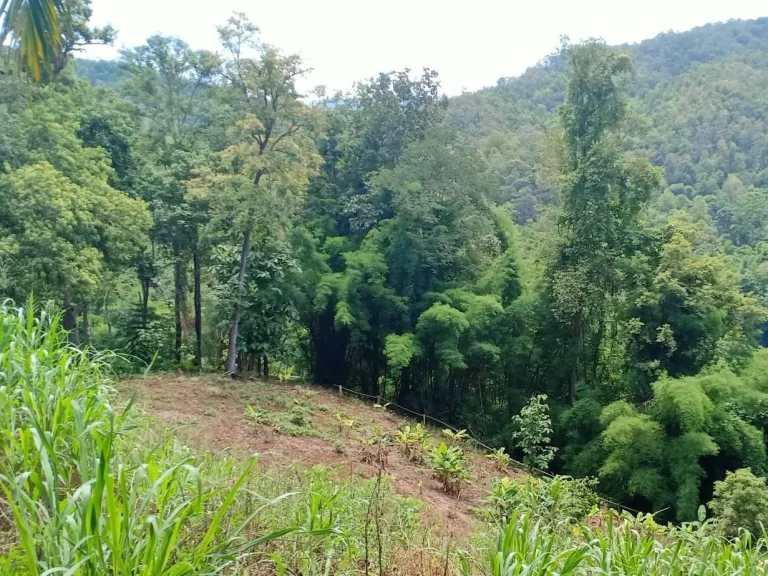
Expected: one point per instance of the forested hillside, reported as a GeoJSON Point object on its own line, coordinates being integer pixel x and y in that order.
{"type": "Point", "coordinates": [585, 243]}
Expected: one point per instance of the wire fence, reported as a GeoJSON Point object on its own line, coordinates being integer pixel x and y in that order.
{"type": "Point", "coordinates": [425, 417]}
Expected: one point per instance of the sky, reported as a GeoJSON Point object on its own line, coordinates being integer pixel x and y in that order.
{"type": "Point", "coordinates": [471, 44]}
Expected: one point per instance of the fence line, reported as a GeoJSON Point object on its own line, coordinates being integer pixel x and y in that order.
{"type": "Point", "coordinates": [424, 417]}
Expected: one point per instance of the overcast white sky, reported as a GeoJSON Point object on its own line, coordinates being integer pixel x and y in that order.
{"type": "Point", "coordinates": [471, 44]}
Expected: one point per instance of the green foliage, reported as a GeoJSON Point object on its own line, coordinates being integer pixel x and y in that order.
{"type": "Point", "coordinates": [399, 350]}
{"type": "Point", "coordinates": [740, 502]}
{"type": "Point", "coordinates": [554, 501]}
{"type": "Point", "coordinates": [449, 466]}
{"type": "Point", "coordinates": [145, 337]}
{"type": "Point", "coordinates": [296, 421]}
{"type": "Point", "coordinates": [76, 488]}
{"type": "Point", "coordinates": [534, 433]}
{"type": "Point", "coordinates": [683, 402]}
{"type": "Point", "coordinates": [526, 547]}
{"type": "Point", "coordinates": [412, 441]}
{"type": "Point", "coordinates": [625, 545]}
{"type": "Point", "coordinates": [500, 459]}
{"type": "Point", "coordinates": [457, 435]}
{"type": "Point", "coordinates": [35, 29]}
{"type": "Point", "coordinates": [593, 230]}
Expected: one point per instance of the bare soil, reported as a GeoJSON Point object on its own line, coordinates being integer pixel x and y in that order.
{"type": "Point", "coordinates": [210, 413]}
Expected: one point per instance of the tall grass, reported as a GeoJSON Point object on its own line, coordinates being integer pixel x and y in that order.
{"type": "Point", "coordinates": [79, 505]}
{"type": "Point", "coordinates": [90, 490]}
{"type": "Point", "coordinates": [615, 545]}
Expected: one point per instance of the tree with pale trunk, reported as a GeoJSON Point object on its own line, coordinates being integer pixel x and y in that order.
{"type": "Point", "coordinates": [270, 152]}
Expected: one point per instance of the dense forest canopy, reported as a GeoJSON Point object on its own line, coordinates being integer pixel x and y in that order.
{"type": "Point", "coordinates": [592, 234]}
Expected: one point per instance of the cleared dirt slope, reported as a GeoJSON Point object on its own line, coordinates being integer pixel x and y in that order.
{"type": "Point", "coordinates": [289, 425]}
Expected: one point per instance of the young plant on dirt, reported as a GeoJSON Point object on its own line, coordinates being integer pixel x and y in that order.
{"type": "Point", "coordinates": [412, 441]}
{"type": "Point", "coordinates": [456, 436]}
{"type": "Point", "coordinates": [500, 458]}
{"type": "Point", "coordinates": [295, 422]}
{"type": "Point", "coordinates": [449, 467]}
{"type": "Point", "coordinates": [502, 500]}
{"type": "Point", "coordinates": [285, 373]}
{"type": "Point", "coordinates": [344, 424]}
{"type": "Point", "coordinates": [376, 447]}
{"type": "Point", "coordinates": [534, 433]}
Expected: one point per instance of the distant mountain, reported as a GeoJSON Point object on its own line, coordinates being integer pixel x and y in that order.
{"type": "Point", "coordinates": [704, 94]}
{"type": "Point", "coordinates": [100, 72]}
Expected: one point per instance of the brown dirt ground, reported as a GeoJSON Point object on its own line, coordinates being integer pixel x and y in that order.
{"type": "Point", "coordinates": [209, 412]}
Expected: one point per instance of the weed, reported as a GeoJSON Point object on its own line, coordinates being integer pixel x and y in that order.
{"type": "Point", "coordinates": [295, 422]}
{"type": "Point", "coordinates": [558, 500]}
{"type": "Point", "coordinates": [376, 447]}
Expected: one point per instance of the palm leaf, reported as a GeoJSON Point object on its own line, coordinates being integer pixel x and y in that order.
{"type": "Point", "coordinates": [34, 28]}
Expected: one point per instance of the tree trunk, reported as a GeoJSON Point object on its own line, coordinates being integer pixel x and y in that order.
{"type": "Point", "coordinates": [198, 311]}
{"type": "Point", "coordinates": [86, 325]}
{"type": "Point", "coordinates": [575, 371]}
{"type": "Point", "coordinates": [107, 317]}
{"type": "Point", "coordinates": [144, 302]}
{"type": "Point", "coordinates": [70, 322]}
{"type": "Point", "coordinates": [231, 366]}
{"type": "Point", "coordinates": [266, 368]}
{"type": "Point", "coordinates": [177, 304]}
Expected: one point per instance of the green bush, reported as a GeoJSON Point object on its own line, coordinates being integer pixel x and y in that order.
{"type": "Point", "coordinates": [741, 502]}
{"type": "Point", "coordinates": [556, 500]}
{"type": "Point", "coordinates": [500, 459]}
{"type": "Point", "coordinates": [502, 500]}
{"type": "Point", "coordinates": [535, 433]}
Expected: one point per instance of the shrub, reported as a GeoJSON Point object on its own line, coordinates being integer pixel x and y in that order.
{"type": "Point", "coordinates": [560, 499]}
{"type": "Point", "coordinates": [145, 339]}
{"type": "Point", "coordinates": [297, 421]}
{"type": "Point", "coordinates": [503, 499]}
{"type": "Point", "coordinates": [449, 466]}
{"type": "Point", "coordinates": [741, 502]}
{"type": "Point", "coordinates": [534, 434]}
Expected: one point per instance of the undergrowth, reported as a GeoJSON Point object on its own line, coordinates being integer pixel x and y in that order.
{"type": "Point", "coordinates": [86, 490]}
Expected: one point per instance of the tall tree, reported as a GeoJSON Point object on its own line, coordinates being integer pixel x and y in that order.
{"type": "Point", "coordinates": [603, 193]}
{"type": "Point", "coordinates": [168, 82]}
{"type": "Point", "coordinates": [62, 224]}
{"type": "Point", "coordinates": [265, 167]}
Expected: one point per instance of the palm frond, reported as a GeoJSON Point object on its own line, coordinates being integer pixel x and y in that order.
{"type": "Point", "coordinates": [33, 27]}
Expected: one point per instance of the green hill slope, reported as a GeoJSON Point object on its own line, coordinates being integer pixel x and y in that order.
{"type": "Point", "coordinates": [703, 93]}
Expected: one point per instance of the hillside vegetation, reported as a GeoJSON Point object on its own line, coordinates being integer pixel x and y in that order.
{"type": "Point", "coordinates": [82, 491]}
{"type": "Point", "coordinates": [572, 266]}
